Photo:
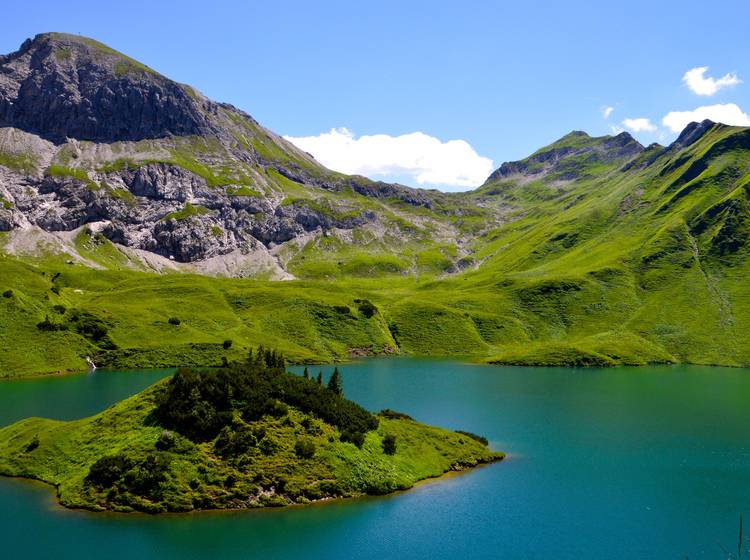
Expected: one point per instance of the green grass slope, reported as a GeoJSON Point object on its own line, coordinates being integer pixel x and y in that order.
{"type": "Point", "coordinates": [606, 254]}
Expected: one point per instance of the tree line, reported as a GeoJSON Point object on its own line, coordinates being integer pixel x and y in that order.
{"type": "Point", "coordinates": [198, 404]}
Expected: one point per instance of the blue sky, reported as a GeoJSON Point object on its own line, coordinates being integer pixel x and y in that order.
{"type": "Point", "coordinates": [505, 78]}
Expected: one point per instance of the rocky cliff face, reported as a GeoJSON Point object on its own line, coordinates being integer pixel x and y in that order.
{"type": "Point", "coordinates": [162, 208]}
{"type": "Point", "coordinates": [60, 86]}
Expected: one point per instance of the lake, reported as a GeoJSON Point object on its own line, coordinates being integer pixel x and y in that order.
{"type": "Point", "coordinates": [649, 462]}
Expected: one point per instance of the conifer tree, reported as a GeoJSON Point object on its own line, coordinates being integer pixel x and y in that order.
{"type": "Point", "coordinates": [320, 378]}
{"type": "Point", "coordinates": [306, 373]}
{"type": "Point", "coordinates": [335, 383]}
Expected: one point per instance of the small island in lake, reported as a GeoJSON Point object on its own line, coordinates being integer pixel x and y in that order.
{"type": "Point", "coordinates": [243, 436]}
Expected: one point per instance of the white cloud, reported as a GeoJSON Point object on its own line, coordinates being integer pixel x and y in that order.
{"type": "Point", "coordinates": [607, 111]}
{"type": "Point", "coordinates": [641, 124]}
{"type": "Point", "coordinates": [701, 85]}
{"type": "Point", "coordinates": [728, 113]}
{"type": "Point", "coordinates": [424, 158]}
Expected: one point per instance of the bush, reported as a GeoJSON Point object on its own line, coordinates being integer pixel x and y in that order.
{"type": "Point", "coordinates": [227, 344]}
{"type": "Point", "coordinates": [8, 294]}
{"type": "Point", "coordinates": [49, 326]}
{"type": "Point", "coordinates": [142, 478]}
{"type": "Point", "coordinates": [304, 448]}
{"type": "Point", "coordinates": [257, 409]}
{"type": "Point", "coordinates": [276, 408]}
{"type": "Point", "coordinates": [331, 488]}
{"type": "Point", "coordinates": [108, 470]}
{"type": "Point", "coordinates": [480, 439]}
{"type": "Point", "coordinates": [393, 415]}
{"type": "Point", "coordinates": [311, 427]}
{"type": "Point", "coordinates": [366, 307]}
{"type": "Point", "coordinates": [174, 321]}
{"type": "Point", "coordinates": [268, 446]}
{"type": "Point", "coordinates": [389, 444]}
{"type": "Point", "coordinates": [61, 309]}
{"type": "Point", "coordinates": [91, 327]}
{"type": "Point", "coordinates": [146, 477]}
{"type": "Point", "coordinates": [357, 438]}
{"type": "Point", "coordinates": [232, 443]}
{"type": "Point", "coordinates": [33, 444]}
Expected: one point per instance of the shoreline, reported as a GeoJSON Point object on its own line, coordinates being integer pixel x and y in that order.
{"type": "Point", "coordinates": [59, 507]}
{"type": "Point", "coordinates": [475, 360]}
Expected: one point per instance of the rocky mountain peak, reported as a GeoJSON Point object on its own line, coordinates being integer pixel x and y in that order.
{"type": "Point", "coordinates": [62, 86]}
{"type": "Point", "coordinates": [568, 156]}
{"type": "Point", "coordinates": [692, 133]}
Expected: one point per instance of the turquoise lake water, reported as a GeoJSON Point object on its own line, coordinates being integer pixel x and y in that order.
{"type": "Point", "coordinates": [616, 463]}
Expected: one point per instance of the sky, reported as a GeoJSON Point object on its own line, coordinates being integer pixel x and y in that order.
{"type": "Point", "coordinates": [432, 94]}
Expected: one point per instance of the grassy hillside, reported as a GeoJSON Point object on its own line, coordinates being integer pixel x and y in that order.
{"type": "Point", "coordinates": [254, 451]}
{"type": "Point", "coordinates": [601, 258]}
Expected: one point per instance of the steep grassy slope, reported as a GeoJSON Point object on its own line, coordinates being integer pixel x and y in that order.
{"type": "Point", "coordinates": [123, 459]}
{"type": "Point", "coordinates": [655, 249]}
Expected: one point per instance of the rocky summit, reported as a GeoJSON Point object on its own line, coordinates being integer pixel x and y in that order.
{"type": "Point", "coordinates": [92, 137]}
{"type": "Point", "coordinates": [60, 86]}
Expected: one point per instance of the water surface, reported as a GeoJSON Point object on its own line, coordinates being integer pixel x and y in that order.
{"type": "Point", "coordinates": [619, 463]}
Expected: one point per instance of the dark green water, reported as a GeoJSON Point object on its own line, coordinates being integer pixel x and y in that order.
{"type": "Point", "coordinates": [624, 463]}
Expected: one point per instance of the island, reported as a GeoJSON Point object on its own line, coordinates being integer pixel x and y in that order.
{"type": "Point", "coordinates": [247, 435]}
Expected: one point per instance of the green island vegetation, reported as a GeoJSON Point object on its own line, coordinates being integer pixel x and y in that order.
{"type": "Point", "coordinates": [245, 435]}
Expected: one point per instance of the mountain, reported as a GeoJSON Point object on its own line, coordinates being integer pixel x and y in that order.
{"type": "Point", "coordinates": [591, 251]}
{"type": "Point", "coordinates": [90, 137]}
{"type": "Point", "coordinates": [567, 158]}
{"type": "Point", "coordinates": [654, 245]}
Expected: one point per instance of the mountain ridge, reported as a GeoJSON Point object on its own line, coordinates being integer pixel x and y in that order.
{"type": "Point", "coordinates": [590, 251]}
{"type": "Point", "coordinates": [164, 169]}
